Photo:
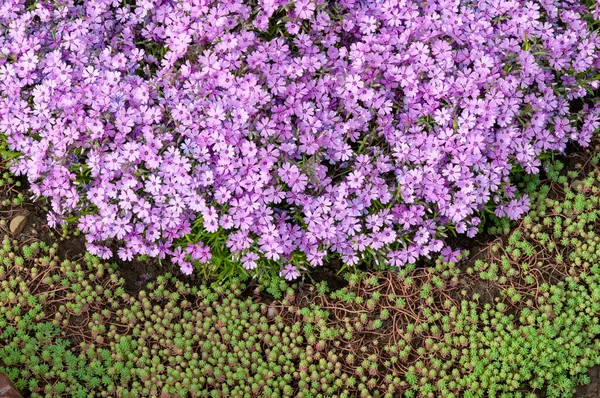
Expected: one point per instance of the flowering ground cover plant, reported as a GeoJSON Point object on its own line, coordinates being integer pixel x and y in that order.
{"type": "Point", "coordinates": [517, 319]}
{"type": "Point", "coordinates": [287, 133]}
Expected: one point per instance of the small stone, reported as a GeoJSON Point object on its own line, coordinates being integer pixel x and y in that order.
{"type": "Point", "coordinates": [576, 185]}
{"type": "Point", "coordinates": [272, 312]}
{"type": "Point", "coordinates": [17, 224]}
{"type": "Point", "coordinates": [7, 389]}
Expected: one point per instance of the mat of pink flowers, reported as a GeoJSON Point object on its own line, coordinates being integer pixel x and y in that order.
{"type": "Point", "coordinates": [325, 128]}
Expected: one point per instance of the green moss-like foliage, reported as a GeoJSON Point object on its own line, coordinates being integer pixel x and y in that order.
{"type": "Point", "coordinates": [518, 318]}
{"type": "Point", "coordinates": [9, 194]}
{"type": "Point", "coordinates": [171, 339]}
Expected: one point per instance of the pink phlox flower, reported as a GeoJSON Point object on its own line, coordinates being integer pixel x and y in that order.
{"type": "Point", "coordinates": [198, 251]}
{"type": "Point", "coordinates": [450, 255]}
{"type": "Point", "coordinates": [315, 257]}
{"type": "Point", "coordinates": [125, 254]}
{"type": "Point", "coordinates": [397, 258]}
{"type": "Point", "coordinates": [271, 249]}
{"type": "Point", "coordinates": [249, 260]}
{"type": "Point", "coordinates": [289, 272]}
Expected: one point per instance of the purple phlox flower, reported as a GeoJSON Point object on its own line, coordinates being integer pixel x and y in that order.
{"type": "Point", "coordinates": [125, 254]}
{"type": "Point", "coordinates": [186, 267]}
{"type": "Point", "coordinates": [436, 245]}
{"type": "Point", "coordinates": [355, 179]}
{"type": "Point", "coordinates": [121, 228]}
{"type": "Point", "coordinates": [397, 258]}
{"type": "Point", "coordinates": [198, 251]}
{"type": "Point", "coordinates": [294, 143]}
{"type": "Point", "coordinates": [374, 222]}
{"type": "Point", "coordinates": [411, 253]}
{"type": "Point", "coordinates": [517, 207]}
{"type": "Point", "coordinates": [99, 250]}
{"type": "Point", "coordinates": [450, 255]}
{"type": "Point", "coordinates": [388, 235]}
{"type": "Point", "coordinates": [210, 220]}
{"type": "Point", "coordinates": [189, 147]}
{"type": "Point", "coordinates": [315, 257]}
{"type": "Point", "coordinates": [163, 248]}
{"type": "Point", "coordinates": [289, 272]}
{"type": "Point", "coordinates": [271, 249]}
{"type": "Point", "coordinates": [249, 260]}
{"type": "Point", "coordinates": [472, 231]}
{"type": "Point", "coordinates": [178, 255]}
{"type": "Point", "coordinates": [350, 259]}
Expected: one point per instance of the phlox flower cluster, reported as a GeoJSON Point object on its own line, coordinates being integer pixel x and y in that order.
{"type": "Point", "coordinates": [343, 128]}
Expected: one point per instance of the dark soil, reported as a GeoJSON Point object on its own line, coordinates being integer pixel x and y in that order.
{"type": "Point", "coordinates": [329, 273]}
{"type": "Point", "coordinates": [591, 390]}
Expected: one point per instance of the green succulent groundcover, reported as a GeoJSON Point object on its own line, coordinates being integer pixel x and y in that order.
{"type": "Point", "coordinates": [70, 329]}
